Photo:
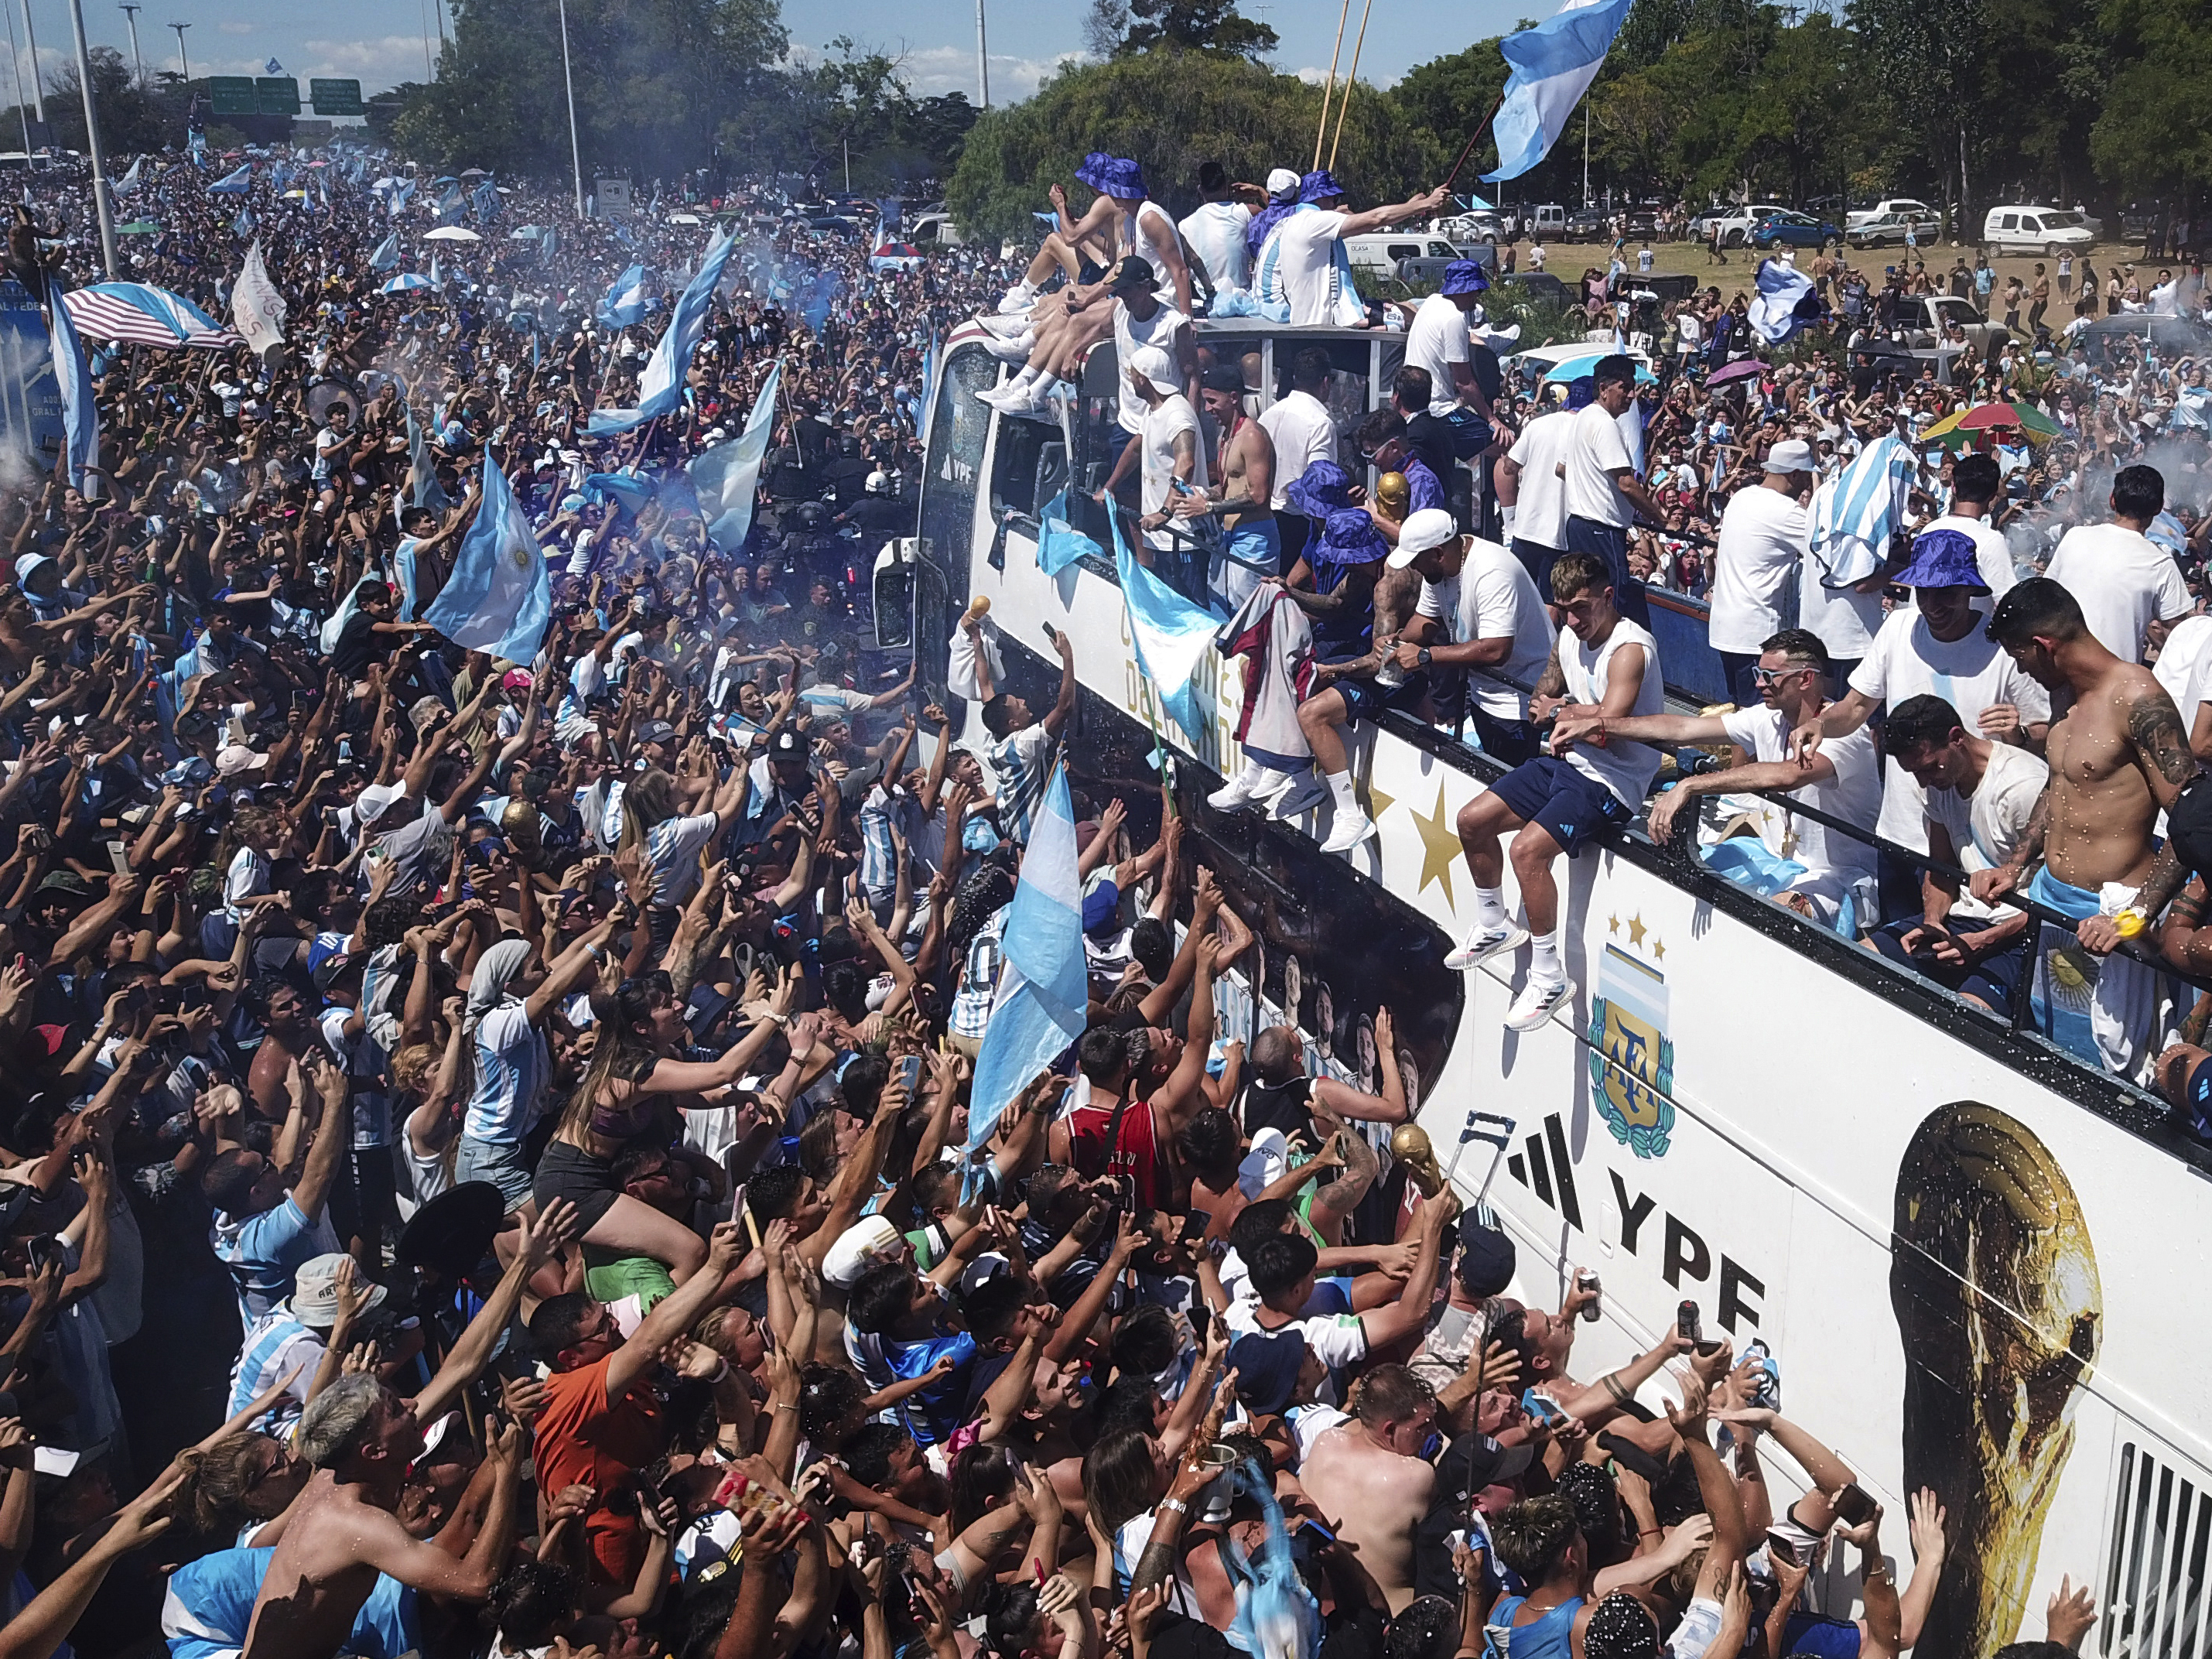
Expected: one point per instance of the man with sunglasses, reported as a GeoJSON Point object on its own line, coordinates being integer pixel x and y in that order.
{"type": "Point", "coordinates": [1819, 867]}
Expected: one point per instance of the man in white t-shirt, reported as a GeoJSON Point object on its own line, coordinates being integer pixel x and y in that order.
{"type": "Point", "coordinates": [1534, 496]}
{"type": "Point", "coordinates": [1603, 493]}
{"type": "Point", "coordinates": [1215, 230]}
{"type": "Point", "coordinates": [2127, 587]}
{"type": "Point", "coordinates": [1303, 430]}
{"type": "Point", "coordinates": [1439, 342]}
{"type": "Point", "coordinates": [1174, 459]}
{"type": "Point", "coordinates": [1976, 485]}
{"type": "Point", "coordinates": [1981, 796]}
{"type": "Point", "coordinates": [1478, 611]}
{"type": "Point", "coordinates": [1299, 266]}
{"type": "Point", "coordinates": [1843, 781]}
{"type": "Point", "coordinates": [1602, 663]}
{"type": "Point", "coordinates": [1150, 336]}
{"type": "Point", "coordinates": [1938, 647]}
{"type": "Point", "coordinates": [1762, 539]}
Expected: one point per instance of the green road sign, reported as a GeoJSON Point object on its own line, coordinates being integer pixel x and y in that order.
{"type": "Point", "coordinates": [336, 97]}
{"type": "Point", "coordinates": [232, 94]}
{"type": "Point", "coordinates": [276, 95]}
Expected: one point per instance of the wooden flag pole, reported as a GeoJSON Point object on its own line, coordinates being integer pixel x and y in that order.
{"type": "Point", "coordinates": [1344, 103]}
{"type": "Point", "coordinates": [1329, 85]}
{"type": "Point", "coordinates": [1474, 138]}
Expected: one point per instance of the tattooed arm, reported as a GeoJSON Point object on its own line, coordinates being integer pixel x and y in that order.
{"type": "Point", "coordinates": [1551, 687]}
{"type": "Point", "coordinates": [2184, 939]}
{"type": "Point", "coordinates": [2161, 745]}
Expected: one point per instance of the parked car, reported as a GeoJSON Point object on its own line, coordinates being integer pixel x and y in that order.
{"type": "Point", "coordinates": [1931, 313]}
{"type": "Point", "coordinates": [2026, 229]}
{"type": "Point", "coordinates": [1546, 219]}
{"type": "Point", "coordinates": [1888, 230]}
{"type": "Point", "coordinates": [1735, 223]}
{"type": "Point", "coordinates": [1379, 253]}
{"type": "Point", "coordinates": [1899, 207]}
{"type": "Point", "coordinates": [935, 229]}
{"type": "Point", "coordinates": [1586, 225]}
{"type": "Point", "coordinates": [1787, 229]}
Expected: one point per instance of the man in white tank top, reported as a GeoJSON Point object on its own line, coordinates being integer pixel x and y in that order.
{"type": "Point", "coordinates": [1603, 667]}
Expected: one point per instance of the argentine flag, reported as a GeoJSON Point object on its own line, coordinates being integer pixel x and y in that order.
{"type": "Point", "coordinates": [80, 413]}
{"type": "Point", "coordinates": [233, 183]}
{"type": "Point", "coordinates": [386, 256]}
{"type": "Point", "coordinates": [499, 597]}
{"type": "Point", "coordinates": [624, 303]}
{"type": "Point", "coordinates": [1855, 512]}
{"type": "Point", "coordinates": [727, 476]}
{"type": "Point", "coordinates": [660, 387]}
{"type": "Point", "coordinates": [1786, 301]}
{"type": "Point", "coordinates": [1044, 995]}
{"type": "Point", "coordinates": [1552, 65]}
{"type": "Point", "coordinates": [1172, 635]}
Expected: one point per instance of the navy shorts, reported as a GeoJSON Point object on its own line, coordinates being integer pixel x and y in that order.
{"type": "Point", "coordinates": [1365, 699]}
{"type": "Point", "coordinates": [1569, 807]}
{"type": "Point", "coordinates": [1470, 434]}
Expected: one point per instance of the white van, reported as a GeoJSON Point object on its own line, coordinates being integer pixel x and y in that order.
{"type": "Point", "coordinates": [2035, 230]}
{"type": "Point", "coordinates": [1549, 219]}
{"type": "Point", "coordinates": [1377, 254]}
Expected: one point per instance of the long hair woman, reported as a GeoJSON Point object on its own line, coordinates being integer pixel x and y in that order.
{"type": "Point", "coordinates": [634, 1083]}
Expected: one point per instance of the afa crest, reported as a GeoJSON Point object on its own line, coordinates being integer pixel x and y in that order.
{"type": "Point", "coordinates": [1632, 1060]}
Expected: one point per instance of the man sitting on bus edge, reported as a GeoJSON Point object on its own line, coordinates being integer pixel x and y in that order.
{"type": "Point", "coordinates": [1601, 664]}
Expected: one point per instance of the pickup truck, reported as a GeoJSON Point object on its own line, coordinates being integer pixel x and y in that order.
{"type": "Point", "coordinates": [1735, 223]}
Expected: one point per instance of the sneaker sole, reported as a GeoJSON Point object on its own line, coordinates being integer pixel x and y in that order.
{"type": "Point", "coordinates": [1529, 1023]}
{"type": "Point", "coordinates": [1295, 806]}
{"type": "Point", "coordinates": [1462, 959]}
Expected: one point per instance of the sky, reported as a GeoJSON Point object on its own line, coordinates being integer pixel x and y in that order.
{"type": "Point", "coordinates": [380, 42]}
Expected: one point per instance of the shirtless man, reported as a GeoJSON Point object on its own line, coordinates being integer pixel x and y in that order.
{"type": "Point", "coordinates": [1243, 471]}
{"type": "Point", "coordinates": [360, 1437]}
{"type": "Point", "coordinates": [2118, 756]}
{"type": "Point", "coordinates": [1377, 1479]}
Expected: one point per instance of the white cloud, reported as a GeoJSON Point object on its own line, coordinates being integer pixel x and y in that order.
{"type": "Point", "coordinates": [378, 63]}
{"type": "Point", "coordinates": [1312, 76]}
{"type": "Point", "coordinates": [237, 28]}
{"type": "Point", "coordinates": [933, 69]}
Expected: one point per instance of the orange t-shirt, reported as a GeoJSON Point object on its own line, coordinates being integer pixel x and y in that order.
{"type": "Point", "coordinates": [582, 1437]}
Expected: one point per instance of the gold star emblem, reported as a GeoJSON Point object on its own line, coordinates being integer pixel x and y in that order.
{"type": "Point", "coordinates": [1378, 802]}
{"type": "Point", "coordinates": [1440, 847]}
{"type": "Point", "coordinates": [1636, 930]}
{"type": "Point", "coordinates": [1613, 924]}
{"type": "Point", "coordinates": [1659, 948]}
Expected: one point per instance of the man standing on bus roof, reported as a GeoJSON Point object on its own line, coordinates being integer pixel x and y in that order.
{"type": "Point", "coordinates": [1603, 493]}
{"type": "Point", "coordinates": [2118, 755]}
{"type": "Point", "coordinates": [1534, 497]}
{"type": "Point", "coordinates": [1021, 746]}
{"type": "Point", "coordinates": [1304, 268]}
{"type": "Point", "coordinates": [1243, 466]}
{"type": "Point", "coordinates": [1602, 665]}
{"type": "Point", "coordinates": [1303, 431]}
{"type": "Point", "coordinates": [1439, 342]}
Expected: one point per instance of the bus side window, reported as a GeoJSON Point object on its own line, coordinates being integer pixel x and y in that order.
{"type": "Point", "coordinates": [1028, 469]}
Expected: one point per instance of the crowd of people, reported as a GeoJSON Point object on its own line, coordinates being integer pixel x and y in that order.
{"type": "Point", "coordinates": [503, 1125]}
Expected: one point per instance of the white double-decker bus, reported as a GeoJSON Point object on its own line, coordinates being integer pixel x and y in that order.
{"type": "Point", "coordinates": [1974, 1258]}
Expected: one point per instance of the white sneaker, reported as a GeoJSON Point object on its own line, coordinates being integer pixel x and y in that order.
{"type": "Point", "coordinates": [1348, 831]}
{"type": "Point", "coordinates": [1007, 399]}
{"type": "Point", "coordinates": [1536, 1003]}
{"type": "Point", "coordinates": [1485, 943]}
{"type": "Point", "coordinates": [1013, 348]}
{"type": "Point", "coordinates": [1043, 404]}
{"type": "Point", "coordinates": [1279, 784]}
{"type": "Point", "coordinates": [1302, 797]}
{"type": "Point", "coordinates": [1233, 796]}
{"type": "Point", "coordinates": [1012, 322]}
{"type": "Point", "coordinates": [1017, 300]}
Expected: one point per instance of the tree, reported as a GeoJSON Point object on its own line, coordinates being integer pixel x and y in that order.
{"type": "Point", "coordinates": [1172, 111]}
{"type": "Point", "coordinates": [134, 119]}
{"type": "Point", "coordinates": [1445, 98]}
{"type": "Point", "coordinates": [1214, 28]}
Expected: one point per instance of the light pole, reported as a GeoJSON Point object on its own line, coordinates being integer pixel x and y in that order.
{"type": "Point", "coordinates": [569, 79]}
{"type": "Point", "coordinates": [983, 60]}
{"type": "Point", "coordinates": [16, 59]}
{"type": "Point", "coordinates": [181, 57]}
{"type": "Point", "coordinates": [91, 142]}
{"type": "Point", "coordinates": [137, 64]}
{"type": "Point", "coordinates": [38, 81]}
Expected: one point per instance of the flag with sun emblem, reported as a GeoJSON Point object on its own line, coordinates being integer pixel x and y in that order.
{"type": "Point", "coordinates": [499, 597]}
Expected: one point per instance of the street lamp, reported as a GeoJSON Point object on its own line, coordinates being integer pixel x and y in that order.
{"type": "Point", "coordinates": [181, 57]}
{"type": "Point", "coordinates": [37, 80]}
{"type": "Point", "coordinates": [91, 142]}
{"type": "Point", "coordinates": [568, 76]}
{"type": "Point", "coordinates": [137, 64]}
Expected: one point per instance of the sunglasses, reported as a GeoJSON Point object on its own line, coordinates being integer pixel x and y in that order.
{"type": "Point", "coordinates": [1769, 676]}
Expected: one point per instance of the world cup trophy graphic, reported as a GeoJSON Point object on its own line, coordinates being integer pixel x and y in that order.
{"type": "Point", "coordinates": [1994, 1283]}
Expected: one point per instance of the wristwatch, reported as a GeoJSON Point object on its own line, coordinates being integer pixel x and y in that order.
{"type": "Point", "coordinates": [1424, 658]}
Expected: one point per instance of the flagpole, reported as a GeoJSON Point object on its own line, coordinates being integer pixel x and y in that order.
{"type": "Point", "coordinates": [1334, 53]}
{"type": "Point", "coordinates": [1474, 138]}
{"type": "Point", "coordinates": [1344, 102]}
{"type": "Point", "coordinates": [568, 78]}
{"type": "Point", "coordinates": [91, 142]}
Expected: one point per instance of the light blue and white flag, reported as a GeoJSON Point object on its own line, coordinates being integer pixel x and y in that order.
{"type": "Point", "coordinates": [1857, 511]}
{"type": "Point", "coordinates": [423, 488]}
{"type": "Point", "coordinates": [80, 413]}
{"type": "Point", "coordinates": [499, 597]}
{"type": "Point", "coordinates": [402, 190]}
{"type": "Point", "coordinates": [130, 181]}
{"type": "Point", "coordinates": [1786, 301]}
{"type": "Point", "coordinates": [1552, 66]}
{"type": "Point", "coordinates": [232, 183]}
{"type": "Point", "coordinates": [1042, 1000]}
{"type": "Point", "coordinates": [660, 386]}
{"type": "Point", "coordinates": [727, 476]}
{"type": "Point", "coordinates": [449, 204]}
{"type": "Point", "coordinates": [1171, 637]}
{"type": "Point", "coordinates": [485, 201]}
{"type": "Point", "coordinates": [437, 277]}
{"type": "Point", "coordinates": [624, 303]}
{"type": "Point", "coordinates": [929, 366]}
{"type": "Point", "coordinates": [242, 225]}
{"type": "Point", "coordinates": [386, 256]}
{"type": "Point", "coordinates": [275, 67]}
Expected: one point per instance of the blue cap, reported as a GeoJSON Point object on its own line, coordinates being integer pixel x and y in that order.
{"type": "Point", "coordinates": [1465, 277]}
{"type": "Point", "coordinates": [1942, 558]}
{"type": "Point", "coordinates": [1267, 1364]}
{"type": "Point", "coordinates": [189, 772]}
{"type": "Point", "coordinates": [1582, 392]}
{"type": "Point", "coordinates": [1319, 185]}
{"type": "Point", "coordinates": [1349, 537]}
{"type": "Point", "coordinates": [1101, 901]}
{"type": "Point", "coordinates": [1320, 490]}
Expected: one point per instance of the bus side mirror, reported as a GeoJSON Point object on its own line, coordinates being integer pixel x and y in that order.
{"type": "Point", "coordinates": [893, 593]}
